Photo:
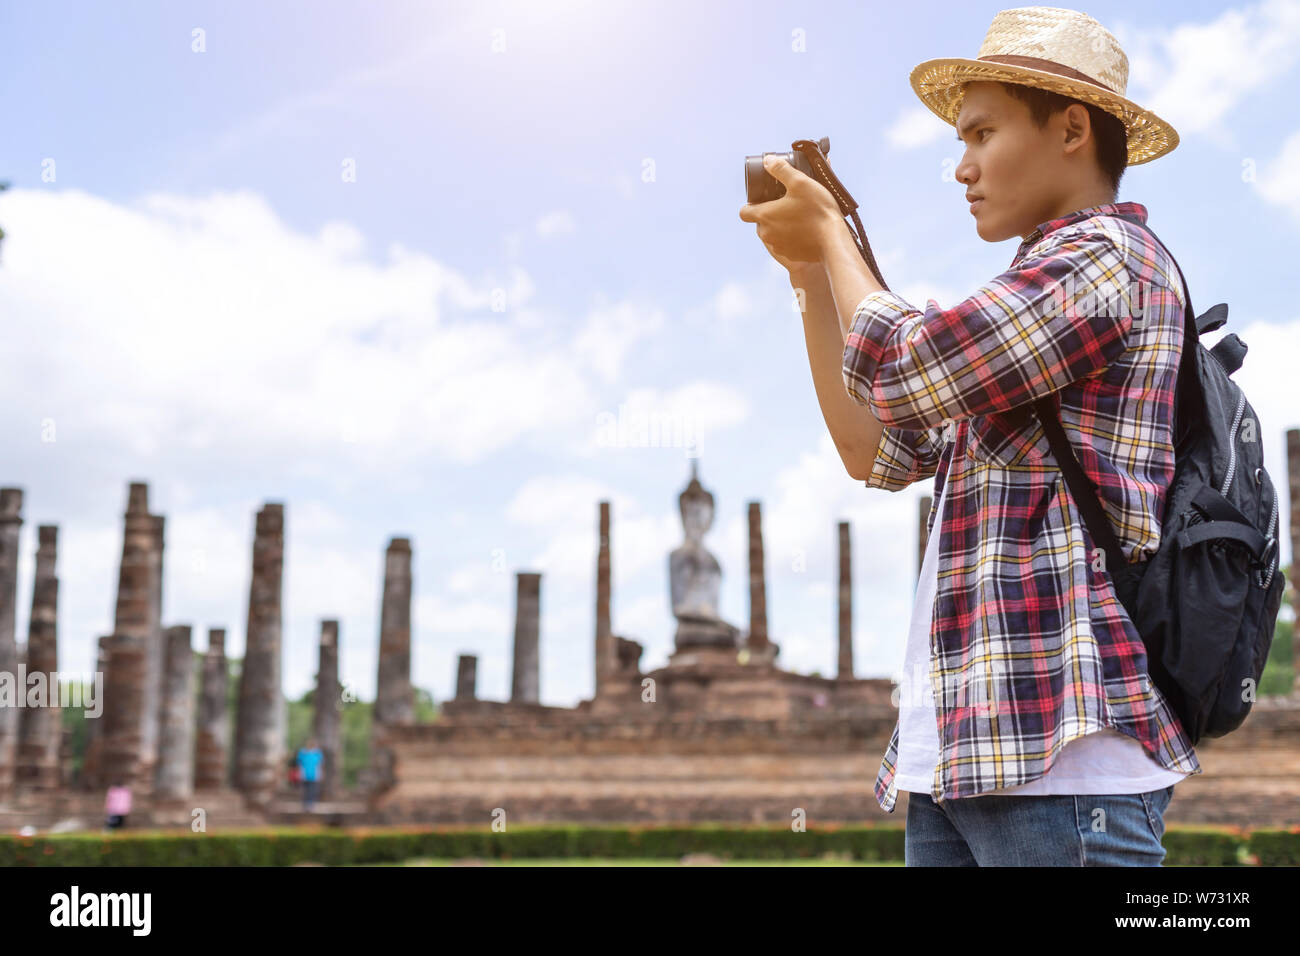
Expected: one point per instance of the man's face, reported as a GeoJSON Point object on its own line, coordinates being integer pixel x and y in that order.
{"type": "Point", "coordinates": [1013, 165]}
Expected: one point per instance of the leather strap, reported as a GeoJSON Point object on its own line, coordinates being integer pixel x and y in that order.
{"type": "Point", "coordinates": [823, 173]}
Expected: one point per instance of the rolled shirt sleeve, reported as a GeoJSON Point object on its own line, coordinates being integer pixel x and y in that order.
{"type": "Point", "coordinates": [904, 456]}
{"type": "Point", "coordinates": [1060, 314]}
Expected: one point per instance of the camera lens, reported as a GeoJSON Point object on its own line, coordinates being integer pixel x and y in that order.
{"type": "Point", "coordinates": [760, 185]}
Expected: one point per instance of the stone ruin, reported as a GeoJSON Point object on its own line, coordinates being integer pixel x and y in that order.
{"type": "Point", "coordinates": [720, 733]}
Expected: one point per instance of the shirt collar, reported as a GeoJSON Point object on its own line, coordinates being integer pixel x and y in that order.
{"type": "Point", "coordinates": [1105, 209]}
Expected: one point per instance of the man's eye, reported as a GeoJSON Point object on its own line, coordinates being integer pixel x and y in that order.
{"type": "Point", "coordinates": [980, 133]}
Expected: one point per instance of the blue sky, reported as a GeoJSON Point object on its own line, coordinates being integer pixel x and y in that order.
{"type": "Point", "coordinates": [394, 264]}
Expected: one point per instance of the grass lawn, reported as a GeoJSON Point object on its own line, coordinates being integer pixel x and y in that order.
{"type": "Point", "coordinates": [568, 861]}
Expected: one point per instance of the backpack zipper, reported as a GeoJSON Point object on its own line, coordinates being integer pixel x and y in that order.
{"type": "Point", "coordinates": [1232, 446]}
{"type": "Point", "coordinates": [1271, 518]}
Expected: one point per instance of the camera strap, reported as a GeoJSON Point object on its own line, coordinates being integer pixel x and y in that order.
{"type": "Point", "coordinates": [848, 205]}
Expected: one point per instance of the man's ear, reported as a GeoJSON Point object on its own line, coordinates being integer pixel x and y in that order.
{"type": "Point", "coordinates": [1077, 125]}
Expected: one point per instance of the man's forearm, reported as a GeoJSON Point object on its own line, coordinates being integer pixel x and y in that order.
{"type": "Point", "coordinates": [850, 279]}
{"type": "Point", "coordinates": [852, 427]}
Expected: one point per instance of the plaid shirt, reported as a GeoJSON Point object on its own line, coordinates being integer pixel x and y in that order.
{"type": "Point", "coordinates": [1029, 645]}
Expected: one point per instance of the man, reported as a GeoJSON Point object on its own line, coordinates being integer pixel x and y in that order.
{"type": "Point", "coordinates": [1029, 730]}
{"type": "Point", "coordinates": [309, 761]}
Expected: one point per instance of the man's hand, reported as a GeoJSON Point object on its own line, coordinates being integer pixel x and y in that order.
{"type": "Point", "coordinates": [797, 227]}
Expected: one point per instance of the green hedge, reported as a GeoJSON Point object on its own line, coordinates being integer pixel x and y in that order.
{"type": "Point", "coordinates": [1275, 847]}
{"type": "Point", "coordinates": [282, 846]}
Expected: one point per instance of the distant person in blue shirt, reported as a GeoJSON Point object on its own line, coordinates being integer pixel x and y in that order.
{"type": "Point", "coordinates": [309, 761]}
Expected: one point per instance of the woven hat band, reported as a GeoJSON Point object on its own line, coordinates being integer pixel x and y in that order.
{"type": "Point", "coordinates": [1047, 66]}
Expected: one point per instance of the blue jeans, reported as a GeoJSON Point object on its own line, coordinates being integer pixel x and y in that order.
{"type": "Point", "coordinates": [1114, 829]}
{"type": "Point", "coordinates": [310, 788]}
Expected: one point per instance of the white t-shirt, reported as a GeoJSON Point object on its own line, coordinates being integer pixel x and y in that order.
{"type": "Point", "coordinates": [1106, 761]}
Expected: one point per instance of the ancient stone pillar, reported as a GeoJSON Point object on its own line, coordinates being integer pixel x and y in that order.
{"type": "Point", "coordinates": [40, 731]}
{"type": "Point", "coordinates": [466, 676]}
{"type": "Point", "coordinates": [1293, 482]}
{"type": "Point", "coordinates": [758, 642]}
{"type": "Point", "coordinates": [155, 656]}
{"type": "Point", "coordinates": [845, 671]}
{"type": "Point", "coordinates": [260, 726]}
{"type": "Point", "coordinates": [326, 719]}
{"type": "Point", "coordinates": [524, 680]}
{"type": "Point", "coordinates": [11, 507]}
{"type": "Point", "coordinates": [125, 692]}
{"type": "Point", "coordinates": [92, 760]}
{"type": "Point", "coordinates": [923, 537]}
{"type": "Point", "coordinates": [604, 631]}
{"type": "Point", "coordinates": [212, 741]}
{"type": "Point", "coordinates": [120, 752]}
{"type": "Point", "coordinates": [176, 717]}
{"type": "Point", "coordinates": [394, 695]}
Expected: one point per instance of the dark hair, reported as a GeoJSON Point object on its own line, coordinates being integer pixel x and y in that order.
{"type": "Point", "coordinates": [1107, 128]}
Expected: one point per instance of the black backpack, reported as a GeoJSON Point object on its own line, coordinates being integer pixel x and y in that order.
{"type": "Point", "coordinates": [1207, 601]}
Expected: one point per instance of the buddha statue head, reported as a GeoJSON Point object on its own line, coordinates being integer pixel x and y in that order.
{"type": "Point", "coordinates": [697, 507]}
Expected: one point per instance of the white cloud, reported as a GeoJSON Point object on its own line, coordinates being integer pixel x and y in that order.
{"type": "Point", "coordinates": [681, 419]}
{"type": "Point", "coordinates": [1195, 74]}
{"type": "Point", "coordinates": [210, 322]}
{"type": "Point", "coordinates": [625, 184]}
{"type": "Point", "coordinates": [206, 346]}
{"type": "Point", "coordinates": [610, 332]}
{"type": "Point", "coordinates": [733, 301]}
{"type": "Point", "coordinates": [917, 127]}
{"type": "Point", "coordinates": [559, 223]}
{"type": "Point", "coordinates": [1277, 181]}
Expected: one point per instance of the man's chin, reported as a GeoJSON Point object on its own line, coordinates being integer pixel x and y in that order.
{"type": "Point", "coordinates": [990, 231]}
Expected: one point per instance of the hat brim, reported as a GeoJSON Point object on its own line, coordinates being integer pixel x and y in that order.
{"type": "Point", "coordinates": [938, 83]}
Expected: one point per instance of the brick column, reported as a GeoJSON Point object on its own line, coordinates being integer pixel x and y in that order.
{"type": "Point", "coordinates": [466, 677]}
{"type": "Point", "coordinates": [40, 728]}
{"type": "Point", "coordinates": [120, 752]}
{"type": "Point", "coordinates": [155, 655]}
{"type": "Point", "coordinates": [525, 676]}
{"type": "Point", "coordinates": [326, 719]}
{"type": "Point", "coordinates": [11, 506]}
{"type": "Point", "coordinates": [394, 695]}
{"type": "Point", "coordinates": [212, 742]}
{"type": "Point", "coordinates": [845, 603]}
{"type": "Point", "coordinates": [260, 727]}
{"type": "Point", "coordinates": [176, 717]}
{"type": "Point", "coordinates": [125, 690]}
{"type": "Point", "coordinates": [604, 631]}
{"type": "Point", "coordinates": [758, 641]}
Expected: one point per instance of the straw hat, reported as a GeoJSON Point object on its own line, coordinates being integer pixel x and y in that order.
{"type": "Point", "coordinates": [1064, 51]}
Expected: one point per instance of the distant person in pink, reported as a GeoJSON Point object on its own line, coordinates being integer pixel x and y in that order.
{"type": "Point", "coordinates": [117, 805]}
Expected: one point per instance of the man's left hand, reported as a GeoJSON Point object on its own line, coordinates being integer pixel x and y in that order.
{"type": "Point", "coordinates": [796, 227]}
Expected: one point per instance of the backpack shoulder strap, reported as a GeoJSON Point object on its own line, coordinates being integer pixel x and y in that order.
{"type": "Point", "coordinates": [1082, 488]}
